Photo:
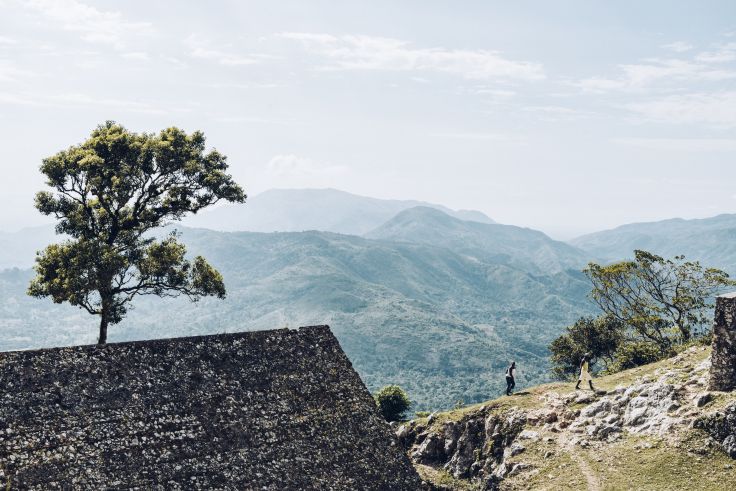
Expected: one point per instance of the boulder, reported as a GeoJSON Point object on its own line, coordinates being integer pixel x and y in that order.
{"type": "Point", "coordinates": [721, 426]}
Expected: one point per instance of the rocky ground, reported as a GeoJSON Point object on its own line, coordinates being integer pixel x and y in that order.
{"type": "Point", "coordinates": [653, 427]}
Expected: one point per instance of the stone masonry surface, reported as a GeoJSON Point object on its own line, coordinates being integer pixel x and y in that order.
{"type": "Point", "coordinates": [279, 409]}
{"type": "Point", "coordinates": [723, 368]}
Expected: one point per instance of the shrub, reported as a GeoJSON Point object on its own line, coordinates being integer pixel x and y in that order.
{"type": "Point", "coordinates": [422, 414]}
{"type": "Point", "coordinates": [636, 353]}
{"type": "Point", "coordinates": [600, 337]}
{"type": "Point", "coordinates": [392, 402]}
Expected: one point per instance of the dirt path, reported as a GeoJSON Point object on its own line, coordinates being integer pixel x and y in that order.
{"type": "Point", "coordinates": [590, 476]}
{"type": "Point", "coordinates": [564, 442]}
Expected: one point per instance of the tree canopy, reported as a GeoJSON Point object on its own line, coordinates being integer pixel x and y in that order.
{"type": "Point", "coordinates": [108, 193]}
{"type": "Point", "coordinates": [649, 305]}
{"type": "Point", "coordinates": [664, 301]}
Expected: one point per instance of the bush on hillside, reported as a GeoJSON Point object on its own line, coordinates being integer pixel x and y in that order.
{"type": "Point", "coordinates": [635, 354]}
{"type": "Point", "coordinates": [599, 337]}
{"type": "Point", "coordinates": [392, 402]}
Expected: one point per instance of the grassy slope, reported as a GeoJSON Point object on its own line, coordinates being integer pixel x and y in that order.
{"type": "Point", "coordinates": [633, 463]}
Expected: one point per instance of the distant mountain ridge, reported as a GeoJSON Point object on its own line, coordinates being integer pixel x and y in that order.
{"type": "Point", "coordinates": [18, 249]}
{"type": "Point", "coordinates": [298, 210]}
{"type": "Point", "coordinates": [440, 322]}
{"type": "Point", "coordinates": [504, 244]}
{"type": "Point", "coordinates": [709, 240]}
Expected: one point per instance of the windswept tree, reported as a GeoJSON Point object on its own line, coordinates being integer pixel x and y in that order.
{"type": "Point", "coordinates": [664, 301]}
{"type": "Point", "coordinates": [108, 192]}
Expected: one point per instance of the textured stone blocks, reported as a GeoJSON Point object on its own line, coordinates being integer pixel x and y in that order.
{"type": "Point", "coordinates": [723, 361]}
{"type": "Point", "coordinates": [280, 409]}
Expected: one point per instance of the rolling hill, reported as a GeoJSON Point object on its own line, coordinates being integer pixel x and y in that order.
{"type": "Point", "coordinates": [519, 247]}
{"type": "Point", "coordinates": [440, 322]}
{"type": "Point", "coordinates": [298, 210]}
{"type": "Point", "coordinates": [710, 240]}
{"type": "Point", "coordinates": [18, 249]}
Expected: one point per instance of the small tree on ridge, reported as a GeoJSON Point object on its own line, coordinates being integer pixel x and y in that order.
{"type": "Point", "coordinates": [108, 192]}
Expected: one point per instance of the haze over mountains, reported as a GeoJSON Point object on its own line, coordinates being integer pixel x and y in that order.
{"type": "Point", "coordinates": [416, 296]}
{"type": "Point", "coordinates": [709, 240]}
{"type": "Point", "coordinates": [494, 243]}
{"type": "Point", "coordinates": [328, 210]}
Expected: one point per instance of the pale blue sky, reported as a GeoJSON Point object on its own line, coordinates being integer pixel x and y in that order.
{"type": "Point", "coordinates": [566, 116]}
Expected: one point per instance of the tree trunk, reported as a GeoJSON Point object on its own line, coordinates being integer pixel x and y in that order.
{"type": "Point", "coordinates": [103, 329]}
{"type": "Point", "coordinates": [104, 319]}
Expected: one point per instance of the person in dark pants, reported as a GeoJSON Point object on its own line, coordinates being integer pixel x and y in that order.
{"type": "Point", "coordinates": [510, 383]}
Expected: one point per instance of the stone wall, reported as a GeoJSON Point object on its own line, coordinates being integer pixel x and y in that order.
{"type": "Point", "coordinates": [280, 409]}
{"type": "Point", "coordinates": [723, 367]}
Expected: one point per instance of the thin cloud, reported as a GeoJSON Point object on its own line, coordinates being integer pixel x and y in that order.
{"type": "Point", "coordinates": [715, 109]}
{"type": "Point", "coordinates": [651, 73]}
{"type": "Point", "coordinates": [678, 46]}
{"type": "Point", "coordinates": [721, 54]}
{"type": "Point", "coordinates": [10, 72]}
{"type": "Point", "coordinates": [644, 76]}
{"type": "Point", "coordinates": [203, 49]}
{"type": "Point", "coordinates": [496, 137]}
{"type": "Point", "coordinates": [556, 113]}
{"type": "Point", "coordinates": [92, 24]}
{"type": "Point", "coordinates": [351, 52]}
{"type": "Point", "coordinates": [136, 55]}
{"type": "Point", "coordinates": [680, 144]}
{"type": "Point", "coordinates": [77, 100]}
{"type": "Point", "coordinates": [291, 165]}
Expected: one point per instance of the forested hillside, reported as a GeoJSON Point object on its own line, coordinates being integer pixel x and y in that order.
{"type": "Point", "coordinates": [710, 240]}
{"type": "Point", "coordinates": [439, 321]}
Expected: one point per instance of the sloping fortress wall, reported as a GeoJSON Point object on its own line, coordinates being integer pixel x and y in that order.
{"type": "Point", "coordinates": [280, 409]}
{"type": "Point", "coordinates": [723, 360]}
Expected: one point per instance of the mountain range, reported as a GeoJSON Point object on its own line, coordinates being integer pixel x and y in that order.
{"type": "Point", "coordinates": [425, 299]}
{"type": "Point", "coordinates": [298, 210]}
{"type": "Point", "coordinates": [709, 240]}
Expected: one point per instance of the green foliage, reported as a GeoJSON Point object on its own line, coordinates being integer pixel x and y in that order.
{"type": "Point", "coordinates": [663, 301]}
{"type": "Point", "coordinates": [437, 322]}
{"type": "Point", "coordinates": [636, 353]}
{"type": "Point", "coordinates": [600, 337]}
{"type": "Point", "coordinates": [422, 414]}
{"type": "Point", "coordinates": [392, 402]}
{"type": "Point", "coordinates": [109, 192]}
{"type": "Point", "coordinates": [459, 404]}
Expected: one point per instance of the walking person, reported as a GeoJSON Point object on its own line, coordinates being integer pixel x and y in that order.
{"type": "Point", "coordinates": [510, 382]}
{"type": "Point", "coordinates": [585, 372]}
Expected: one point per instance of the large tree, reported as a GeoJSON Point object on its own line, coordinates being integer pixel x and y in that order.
{"type": "Point", "coordinates": [663, 301]}
{"type": "Point", "coordinates": [108, 193]}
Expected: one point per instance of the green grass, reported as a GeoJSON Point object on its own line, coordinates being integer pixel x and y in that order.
{"type": "Point", "coordinates": [665, 467]}
{"type": "Point", "coordinates": [443, 479]}
{"type": "Point", "coordinates": [633, 463]}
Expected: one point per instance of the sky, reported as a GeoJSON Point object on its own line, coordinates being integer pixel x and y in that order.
{"type": "Point", "coordinates": [566, 116]}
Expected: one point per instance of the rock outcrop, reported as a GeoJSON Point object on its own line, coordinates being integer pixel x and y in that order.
{"type": "Point", "coordinates": [721, 425]}
{"type": "Point", "coordinates": [479, 447]}
{"type": "Point", "coordinates": [487, 444]}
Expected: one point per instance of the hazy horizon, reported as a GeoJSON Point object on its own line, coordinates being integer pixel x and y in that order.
{"type": "Point", "coordinates": [184, 222]}
{"type": "Point", "coordinates": [567, 118]}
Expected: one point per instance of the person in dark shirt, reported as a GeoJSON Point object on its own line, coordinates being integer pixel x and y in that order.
{"type": "Point", "coordinates": [510, 383]}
